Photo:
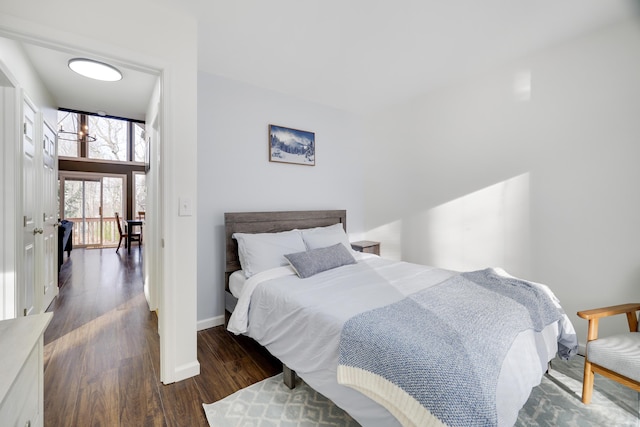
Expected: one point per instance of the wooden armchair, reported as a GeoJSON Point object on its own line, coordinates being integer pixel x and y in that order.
{"type": "Point", "coordinates": [616, 357]}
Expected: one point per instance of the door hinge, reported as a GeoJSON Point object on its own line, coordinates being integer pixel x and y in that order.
{"type": "Point", "coordinates": [44, 216]}
{"type": "Point", "coordinates": [24, 128]}
{"type": "Point", "coordinates": [25, 312]}
{"type": "Point", "coordinates": [24, 221]}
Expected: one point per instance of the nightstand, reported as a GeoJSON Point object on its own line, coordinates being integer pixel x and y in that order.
{"type": "Point", "coordinates": [366, 246]}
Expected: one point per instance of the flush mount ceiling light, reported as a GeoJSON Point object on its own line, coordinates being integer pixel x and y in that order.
{"type": "Point", "coordinates": [95, 69]}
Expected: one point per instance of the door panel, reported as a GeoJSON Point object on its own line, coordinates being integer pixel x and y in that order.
{"type": "Point", "coordinates": [27, 291]}
{"type": "Point", "coordinates": [50, 223]}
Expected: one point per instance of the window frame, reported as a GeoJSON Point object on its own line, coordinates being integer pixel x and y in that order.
{"type": "Point", "coordinates": [83, 143]}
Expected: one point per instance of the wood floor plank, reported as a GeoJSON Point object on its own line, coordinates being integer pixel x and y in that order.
{"type": "Point", "coordinates": [101, 339]}
{"type": "Point", "coordinates": [61, 381]}
{"type": "Point", "coordinates": [222, 344]}
{"type": "Point", "coordinates": [183, 404]}
{"type": "Point", "coordinates": [214, 383]}
{"type": "Point", "coordinates": [140, 400]}
{"type": "Point", "coordinates": [98, 401]}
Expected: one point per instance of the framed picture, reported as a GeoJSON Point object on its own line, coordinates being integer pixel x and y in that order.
{"type": "Point", "coordinates": [288, 145]}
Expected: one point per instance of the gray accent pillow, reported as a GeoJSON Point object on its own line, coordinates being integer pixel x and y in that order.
{"type": "Point", "coordinates": [315, 261]}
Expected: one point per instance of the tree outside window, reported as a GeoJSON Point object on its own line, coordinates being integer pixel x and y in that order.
{"type": "Point", "coordinates": [140, 202]}
{"type": "Point", "coordinates": [139, 143]}
{"type": "Point", "coordinates": [111, 139]}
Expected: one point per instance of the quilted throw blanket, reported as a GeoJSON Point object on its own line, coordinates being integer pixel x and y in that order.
{"type": "Point", "coordinates": [439, 351]}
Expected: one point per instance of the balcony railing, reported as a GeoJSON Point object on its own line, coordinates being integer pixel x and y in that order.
{"type": "Point", "coordinates": [87, 232]}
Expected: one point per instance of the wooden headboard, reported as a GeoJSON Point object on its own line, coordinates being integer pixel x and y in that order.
{"type": "Point", "coordinates": [271, 222]}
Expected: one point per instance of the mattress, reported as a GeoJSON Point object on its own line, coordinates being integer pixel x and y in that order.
{"type": "Point", "coordinates": [300, 321]}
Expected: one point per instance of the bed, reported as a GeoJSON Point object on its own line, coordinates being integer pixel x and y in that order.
{"type": "Point", "coordinates": [343, 321]}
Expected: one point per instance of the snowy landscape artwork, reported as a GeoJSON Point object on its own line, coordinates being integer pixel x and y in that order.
{"type": "Point", "coordinates": [292, 146]}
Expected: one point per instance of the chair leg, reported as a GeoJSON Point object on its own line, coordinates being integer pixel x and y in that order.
{"type": "Point", "coordinates": [587, 383]}
{"type": "Point", "coordinates": [119, 243]}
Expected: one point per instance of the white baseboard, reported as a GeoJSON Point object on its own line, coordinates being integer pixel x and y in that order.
{"type": "Point", "coordinates": [187, 371]}
{"type": "Point", "coordinates": [210, 322]}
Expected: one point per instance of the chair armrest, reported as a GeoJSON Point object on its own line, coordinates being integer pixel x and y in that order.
{"type": "Point", "coordinates": [597, 313]}
{"type": "Point", "coordinates": [609, 311]}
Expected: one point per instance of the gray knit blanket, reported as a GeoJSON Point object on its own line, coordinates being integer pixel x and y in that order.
{"type": "Point", "coordinates": [443, 346]}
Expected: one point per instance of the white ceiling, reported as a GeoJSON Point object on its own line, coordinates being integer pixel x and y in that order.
{"type": "Point", "coordinates": [128, 98]}
{"type": "Point", "coordinates": [356, 55]}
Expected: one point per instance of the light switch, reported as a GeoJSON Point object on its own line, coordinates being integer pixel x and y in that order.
{"type": "Point", "coordinates": [185, 208]}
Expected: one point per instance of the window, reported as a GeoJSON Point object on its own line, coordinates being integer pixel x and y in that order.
{"type": "Point", "coordinates": [68, 126]}
{"type": "Point", "coordinates": [139, 144]}
{"type": "Point", "coordinates": [84, 135]}
{"type": "Point", "coordinates": [140, 193]}
{"type": "Point", "coordinates": [111, 136]}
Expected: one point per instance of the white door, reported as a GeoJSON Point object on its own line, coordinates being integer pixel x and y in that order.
{"type": "Point", "coordinates": [27, 294]}
{"type": "Point", "coordinates": [49, 216]}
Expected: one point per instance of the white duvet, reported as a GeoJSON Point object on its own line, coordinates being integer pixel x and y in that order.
{"type": "Point", "coordinates": [300, 320]}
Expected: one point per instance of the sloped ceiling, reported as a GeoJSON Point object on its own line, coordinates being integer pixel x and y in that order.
{"type": "Point", "coordinates": [360, 55]}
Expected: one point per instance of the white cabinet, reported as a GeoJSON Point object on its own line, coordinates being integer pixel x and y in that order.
{"type": "Point", "coordinates": [21, 370]}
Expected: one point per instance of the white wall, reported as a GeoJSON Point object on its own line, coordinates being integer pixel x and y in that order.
{"type": "Point", "coordinates": [14, 58]}
{"type": "Point", "coordinates": [548, 188]}
{"type": "Point", "coordinates": [158, 38]}
{"type": "Point", "coordinates": [235, 175]}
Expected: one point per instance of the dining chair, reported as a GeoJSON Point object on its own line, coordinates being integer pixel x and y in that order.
{"type": "Point", "coordinates": [141, 215]}
{"type": "Point", "coordinates": [616, 357]}
{"type": "Point", "coordinates": [127, 236]}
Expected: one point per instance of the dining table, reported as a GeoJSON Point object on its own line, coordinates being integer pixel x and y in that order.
{"type": "Point", "coordinates": [130, 224]}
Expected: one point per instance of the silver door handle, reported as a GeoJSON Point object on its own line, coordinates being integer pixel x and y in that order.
{"type": "Point", "coordinates": [37, 231]}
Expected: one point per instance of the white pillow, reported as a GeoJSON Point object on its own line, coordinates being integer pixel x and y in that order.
{"type": "Point", "coordinates": [323, 237]}
{"type": "Point", "coordinates": [264, 251]}
{"type": "Point", "coordinates": [237, 280]}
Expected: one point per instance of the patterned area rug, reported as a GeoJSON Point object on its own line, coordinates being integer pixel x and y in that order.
{"type": "Point", "coordinates": [271, 403]}
{"type": "Point", "coordinates": [556, 402]}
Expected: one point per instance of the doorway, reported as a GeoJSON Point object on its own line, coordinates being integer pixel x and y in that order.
{"type": "Point", "coordinates": [90, 201]}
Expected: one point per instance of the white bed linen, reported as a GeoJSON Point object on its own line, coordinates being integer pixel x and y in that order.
{"type": "Point", "coordinates": [237, 280]}
{"type": "Point", "coordinates": [300, 320]}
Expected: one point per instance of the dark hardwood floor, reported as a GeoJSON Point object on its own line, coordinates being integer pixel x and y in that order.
{"type": "Point", "coordinates": [101, 353]}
